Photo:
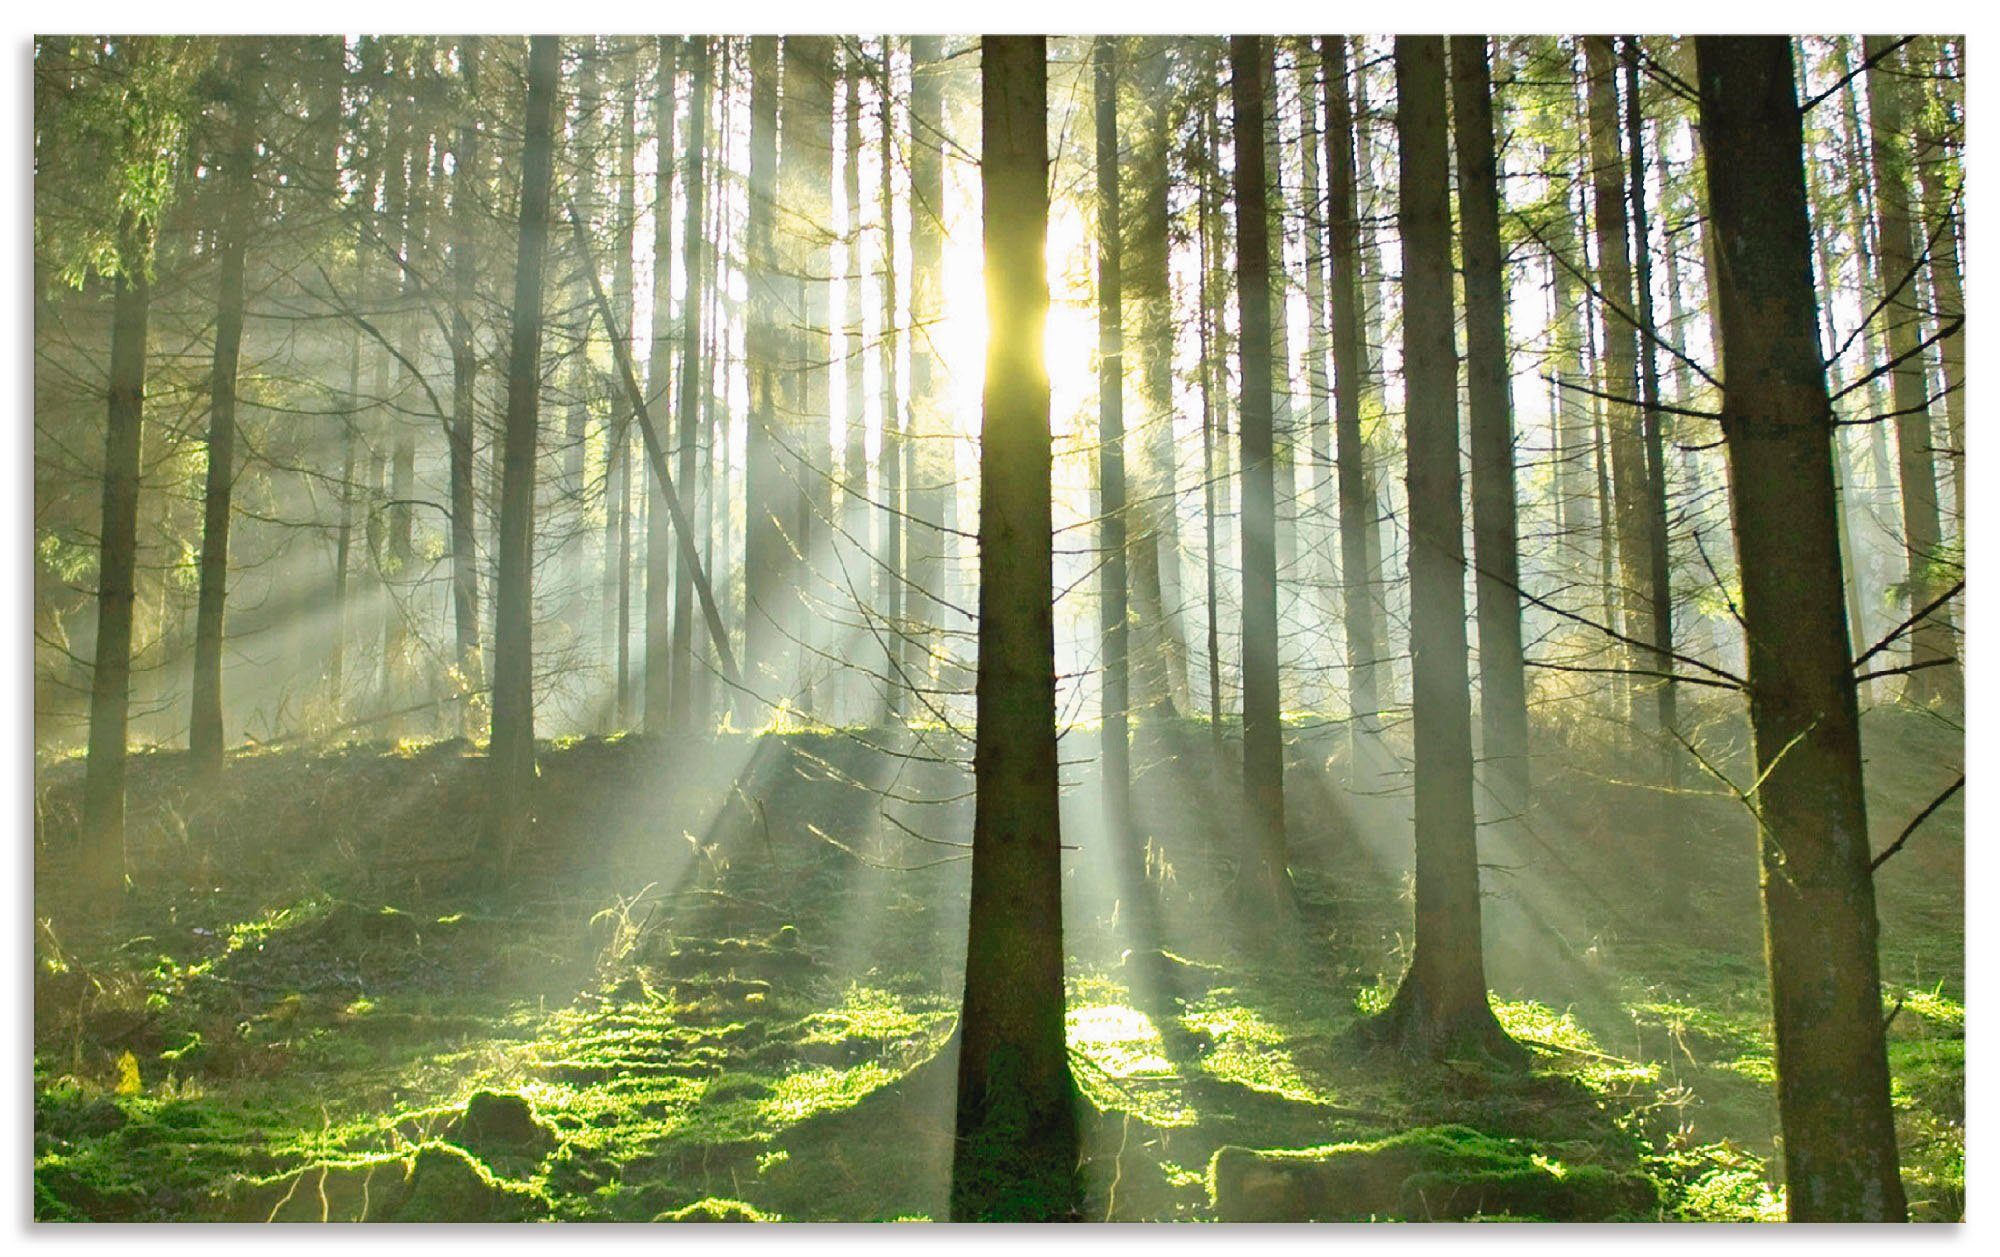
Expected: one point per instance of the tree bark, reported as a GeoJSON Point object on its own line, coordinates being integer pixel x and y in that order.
{"type": "Point", "coordinates": [1357, 504]}
{"type": "Point", "coordinates": [688, 426]}
{"type": "Point", "coordinates": [1440, 1009]}
{"type": "Point", "coordinates": [512, 750]}
{"type": "Point", "coordinates": [1115, 695]}
{"type": "Point", "coordinates": [103, 821]}
{"type": "Point", "coordinates": [466, 177]}
{"type": "Point", "coordinates": [205, 728]}
{"type": "Point", "coordinates": [1263, 734]}
{"type": "Point", "coordinates": [1619, 378]}
{"type": "Point", "coordinates": [1503, 698]}
{"type": "Point", "coordinates": [1017, 1139]}
{"type": "Point", "coordinates": [1819, 896]}
{"type": "Point", "coordinates": [764, 481]}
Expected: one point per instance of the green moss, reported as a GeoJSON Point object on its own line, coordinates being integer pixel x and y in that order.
{"type": "Point", "coordinates": [716, 1209]}
{"type": "Point", "coordinates": [447, 1184]}
{"type": "Point", "coordinates": [1429, 1173]}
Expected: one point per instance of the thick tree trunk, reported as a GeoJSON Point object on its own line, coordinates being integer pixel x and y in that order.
{"type": "Point", "coordinates": [1819, 895]}
{"type": "Point", "coordinates": [1115, 695]}
{"type": "Point", "coordinates": [1440, 1009]}
{"type": "Point", "coordinates": [205, 727]}
{"type": "Point", "coordinates": [1017, 1135]}
{"type": "Point", "coordinates": [1503, 701]}
{"type": "Point", "coordinates": [512, 751]}
{"type": "Point", "coordinates": [1263, 735]}
{"type": "Point", "coordinates": [1936, 675]}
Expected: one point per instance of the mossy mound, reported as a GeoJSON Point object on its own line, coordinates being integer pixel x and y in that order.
{"type": "Point", "coordinates": [501, 1125]}
{"type": "Point", "coordinates": [446, 1184]}
{"type": "Point", "coordinates": [1430, 1174]}
{"type": "Point", "coordinates": [716, 1209]}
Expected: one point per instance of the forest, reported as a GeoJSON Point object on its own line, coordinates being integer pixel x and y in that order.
{"type": "Point", "coordinates": [1010, 628]}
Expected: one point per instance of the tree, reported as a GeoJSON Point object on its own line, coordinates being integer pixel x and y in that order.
{"type": "Point", "coordinates": [512, 750]}
{"type": "Point", "coordinates": [205, 728]}
{"type": "Point", "coordinates": [1935, 675]}
{"type": "Point", "coordinates": [1356, 501]}
{"type": "Point", "coordinates": [1819, 895]}
{"type": "Point", "coordinates": [145, 139]}
{"type": "Point", "coordinates": [1263, 734]}
{"type": "Point", "coordinates": [680, 706]}
{"type": "Point", "coordinates": [895, 443]}
{"type": "Point", "coordinates": [764, 496]}
{"type": "Point", "coordinates": [466, 179]}
{"type": "Point", "coordinates": [657, 697]}
{"type": "Point", "coordinates": [1619, 380]}
{"type": "Point", "coordinates": [1017, 1135]}
{"type": "Point", "coordinates": [1440, 1009]}
{"type": "Point", "coordinates": [1503, 699]}
{"type": "Point", "coordinates": [1112, 615]}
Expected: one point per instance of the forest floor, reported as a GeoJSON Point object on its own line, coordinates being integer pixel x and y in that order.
{"type": "Point", "coordinates": [720, 984]}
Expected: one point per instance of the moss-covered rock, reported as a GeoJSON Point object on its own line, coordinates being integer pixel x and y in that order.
{"type": "Point", "coordinates": [446, 1184]}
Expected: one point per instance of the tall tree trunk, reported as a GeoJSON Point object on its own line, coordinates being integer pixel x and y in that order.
{"type": "Point", "coordinates": [103, 821]}
{"type": "Point", "coordinates": [1619, 379]}
{"type": "Point", "coordinates": [1263, 735]}
{"type": "Point", "coordinates": [1317, 450]}
{"type": "Point", "coordinates": [466, 178]}
{"type": "Point", "coordinates": [1658, 579]}
{"type": "Point", "coordinates": [1159, 679]}
{"type": "Point", "coordinates": [805, 135]}
{"type": "Point", "coordinates": [1819, 895]}
{"type": "Point", "coordinates": [931, 480]}
{"type": "Point", "coordinates": [512, 751]}
{"type": "Point", "coordinates": [1374, 334]}
{"type": "Point", "coordinates": [1207, 232]}
{"type": "Point", "coordinates": [856, 541]}
{"type": "Point", "coordinates": [1440, 1009]}
{"type": "Point", "coordinates": [1940, 232]}
{"type": "Point", "coordinates": [764, 481]}
{"type": "Point", "coordinates": [1357, 504]}
{"type": "Point", "coordinates": [1503, 698]}
{"type": "Point", "coordinates": [1116, 691]}
{"type": "Point", "coordinates": [1936, 675]}
{"type": "Point", "coordinates": [894, 445]}
{"type": "Point", "coordinates": [657, 695]}
{"type": "Point", "coordinates": [617, 584]}
{"type": "Point", "coordinates": [205, 729]}
{"type": "Point", "coordinates": [680, 708]}
{"type": "Point", "coordinates": [1284, 434]}
{"type": "Point", "coordinates": [1017, 1139]}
